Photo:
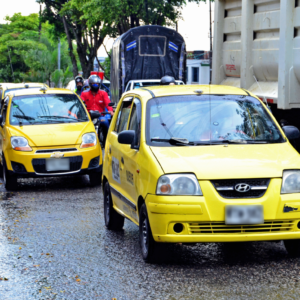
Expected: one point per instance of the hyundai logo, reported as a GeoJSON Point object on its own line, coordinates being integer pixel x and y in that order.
{"type": "Point", "coordinates": [242, 187]}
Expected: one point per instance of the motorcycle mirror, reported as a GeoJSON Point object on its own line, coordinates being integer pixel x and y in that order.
{"type": "Point", "coordinates": [111, 104]}
{"type": "Point", "coordinates": [95, 114]}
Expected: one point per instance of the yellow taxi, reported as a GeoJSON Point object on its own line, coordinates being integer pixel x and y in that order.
{"type": "Point", "coordinates": [5, 88]}
{"type": "Point", "coordinates": [196, 164]}
{"type": "Point", "coordinates": [46, 133]}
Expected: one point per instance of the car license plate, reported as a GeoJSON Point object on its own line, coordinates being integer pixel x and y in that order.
{"type": "Point", "coordinates": [58, 164]}
{"type": "Point", "coordinates": [244, 214]}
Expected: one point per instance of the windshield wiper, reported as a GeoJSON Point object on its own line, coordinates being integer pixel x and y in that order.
{"type": "Point", "coordinates": [173, 141]}
{"type": "Point", "coordinates": [60, 117]}
{"type": "Point", "coordinates": [24, 117]}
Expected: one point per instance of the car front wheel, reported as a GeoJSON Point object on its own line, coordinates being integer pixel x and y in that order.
{"type": "Point", "coordinates": [10, 182]}
{"type": "Point", "coordinates": [150, 248]}
{"type": "Point", "coordinates": [113, 220]}
{"type": "Point", "coordinates": [292, 247]}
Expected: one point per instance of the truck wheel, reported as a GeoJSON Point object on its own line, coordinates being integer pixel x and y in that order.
{"type": "Point", "coordinates": [149, 246]}
{"type": "Point", "coordinates": [292, 247]}
{"type": "Point", "coordinates": [10, 182]}
{"type": "Point", "coordinates": [95, 179]}
{"type": "Point", "coordinates": [102, 136]}
{"type": "Point", "coordinates": [113, 220]}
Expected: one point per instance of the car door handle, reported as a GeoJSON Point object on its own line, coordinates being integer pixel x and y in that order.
{"type": "Point", "coordinates": [122, 160]}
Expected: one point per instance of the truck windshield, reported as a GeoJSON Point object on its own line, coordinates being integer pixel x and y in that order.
{"type": "Point", "coordinates": [46, 109]}
{"type": "Point", "coordinates": [208, 119]}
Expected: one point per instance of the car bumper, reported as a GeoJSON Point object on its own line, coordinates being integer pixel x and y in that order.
{"type": "Point", "coordinates": [83, 159]}
{"type": "Point", "coordinates": [202, 218]}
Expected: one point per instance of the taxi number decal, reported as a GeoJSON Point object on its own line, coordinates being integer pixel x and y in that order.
{"type": "Point", "coordinates": [116, 170]}
{"type": "Point", "coordinates": [129, 177]}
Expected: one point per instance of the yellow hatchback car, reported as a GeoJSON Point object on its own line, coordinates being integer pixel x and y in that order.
{"type": "Point", "coordinates": [197, 164]}
{"type": "Point", "coordinates": [46, 133]}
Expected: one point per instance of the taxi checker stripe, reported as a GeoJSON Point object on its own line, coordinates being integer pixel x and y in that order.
{"type": "Point", "coordinates": [122, 198]}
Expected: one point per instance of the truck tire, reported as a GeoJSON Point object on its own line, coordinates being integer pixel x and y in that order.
{"type": "Point", "coordinates": [113, 220]}
{"type": "Point", "coordinates": [150, 248]}
{"type": "Point", "coordinates": [10, 182]}
{"type": "Point", "coordinates": [292, 247]}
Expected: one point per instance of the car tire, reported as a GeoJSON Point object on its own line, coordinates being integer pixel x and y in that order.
{"type": "Point", "coordinates": [95, 179]}
{"type": "Point", "coordinates": [102, 136]}
{"type": "Point", "coordinates": [113, 220]}
{"type": "Point", "coordinates": [150, 248]}
{"type": "Point", "coordinates": [10, 182]}
{"type": "Point", "coordinates": [292, 247]}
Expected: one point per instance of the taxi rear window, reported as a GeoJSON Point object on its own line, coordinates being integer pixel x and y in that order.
{"type": "Point", "coordinates": [47, 109]}
{"type": "Point", "coordinates": [209, 119]}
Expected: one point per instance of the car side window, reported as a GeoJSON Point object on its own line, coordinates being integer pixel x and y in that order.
{"type": "Point", "coordinates": [4, 109]}
{"type": "Point", "coordinates": [123, 115]}
{"type": "Point", "coordinates": [135, 121]}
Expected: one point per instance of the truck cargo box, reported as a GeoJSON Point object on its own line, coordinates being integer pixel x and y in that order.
{"type": "Point", "coordinates": [146, 52]}
{"type": "Point", "coordinates": [257, 46]}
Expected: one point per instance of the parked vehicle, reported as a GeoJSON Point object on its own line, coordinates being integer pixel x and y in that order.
{"type": "Point", "coordinates": [10, 87]}
{"type": "Point", "coordinates": [135, 84]}
{"type": "Point", "coordinates": [46, 133]}
{"type": "Point", "coordinates": [146, 52]}
{"type": "Point", "coordinates": [208, 164]}
{"type": "Point", "coordinates": [256, 48]}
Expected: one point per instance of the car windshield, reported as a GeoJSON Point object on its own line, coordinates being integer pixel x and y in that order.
{"type": "Point", "coordinates": [20, 88]}
{"type": "Point", "coordinates": [46, 109]}
{"type": "Point", "coordinates": [204, 119]}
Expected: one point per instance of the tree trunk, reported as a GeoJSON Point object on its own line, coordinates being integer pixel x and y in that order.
{"type": "Point", "coordinates": [71, 53]}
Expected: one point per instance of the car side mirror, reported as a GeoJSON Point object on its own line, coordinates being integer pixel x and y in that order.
{"type": "Point", "coordinates": [291, 132]}
{"type": "Point", "coordinates": [126, 137]}
{"type": "Point", "coordinates": [111, 104]}
{"type": "Point", "coordinates": [95, 114]}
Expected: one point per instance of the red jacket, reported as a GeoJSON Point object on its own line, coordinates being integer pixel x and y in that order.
{"type": "Point", "coordinates": [96, 102]}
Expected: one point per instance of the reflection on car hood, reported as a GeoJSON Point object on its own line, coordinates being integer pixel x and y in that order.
{"type": "Point", "coordinates": [53, 134]}
{"type": "Point", "coordinates": [232, 161]}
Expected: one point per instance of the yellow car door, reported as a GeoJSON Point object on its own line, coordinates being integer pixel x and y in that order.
{"type": "Point", "coordinates": [115, 161]}
{"type": "Point", "coordinates": [129, 161]}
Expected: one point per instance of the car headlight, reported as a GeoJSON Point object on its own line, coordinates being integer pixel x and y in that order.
{"type": "Point", "coordinates": [178, 184]}
{"type": "Point", "coordinates": [89, 140]}
{"type": "Point", "coordinates": [19, 143]}
{"type": "Point", "coordinates": [290, 182]}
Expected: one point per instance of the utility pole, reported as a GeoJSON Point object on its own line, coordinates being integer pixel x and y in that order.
{"type": "Point", "coordinates": [147, 13]}
{"type": "Point", "coordinates": [210, 40]}
{"type": "Point", "coordinates": [12, 71]}
{"type": "Point", "coordinates": [58, 60]}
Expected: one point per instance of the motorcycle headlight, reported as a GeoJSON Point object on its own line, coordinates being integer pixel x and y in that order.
{"type": "Point", "coordinates": [178, 184]}
{"type": "Point", "coordinates": [290, 182]}
{"type": "Point", "coordinates": [89, 140]}
{"type": "Point", "coordinates": [19, 143]}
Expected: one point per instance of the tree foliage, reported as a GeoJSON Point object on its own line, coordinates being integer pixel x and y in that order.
{"type": "Point", "coordinates": [27, 54]}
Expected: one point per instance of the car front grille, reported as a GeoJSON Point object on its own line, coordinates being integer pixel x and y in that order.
{"type": "Point", "coordinates": [226, 187]}
{"type": "Point", "coordinates": [39, 165]}
{"type": "Point", "coordinates": [56, 150]}
{"type": "Point", "coordinates": [222, 228]}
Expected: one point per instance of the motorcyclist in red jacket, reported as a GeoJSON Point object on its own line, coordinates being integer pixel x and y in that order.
{"type": "Point", "coordinates": [96, 99]}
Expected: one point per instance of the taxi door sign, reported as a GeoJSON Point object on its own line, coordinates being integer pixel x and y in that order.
{"type": "Point", "coordinates": [115, 170]}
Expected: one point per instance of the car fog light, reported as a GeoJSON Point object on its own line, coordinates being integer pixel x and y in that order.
{"type": "Point", "coordinates": [178, 227]}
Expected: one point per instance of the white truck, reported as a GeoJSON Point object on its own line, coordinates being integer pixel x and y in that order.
{"type": "Point", "coordinates": [257, 47]}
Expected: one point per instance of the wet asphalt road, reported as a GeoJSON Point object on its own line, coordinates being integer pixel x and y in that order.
{"type": "Point", "coordinates": [54, 245]}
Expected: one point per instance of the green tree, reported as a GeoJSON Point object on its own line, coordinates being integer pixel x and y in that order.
{"type": "Point", "coordinates": [88, 38]}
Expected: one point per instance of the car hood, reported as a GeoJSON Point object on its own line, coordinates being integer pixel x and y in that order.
{"type": "Point", "coordinates": [53, 134]}
{"type": "Point", "coordinates": [232, 161]}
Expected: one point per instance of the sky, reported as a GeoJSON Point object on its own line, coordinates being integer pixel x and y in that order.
{"type": "Point", "coordinates": [194, 27]}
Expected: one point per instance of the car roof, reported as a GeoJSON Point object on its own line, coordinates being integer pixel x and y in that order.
{"type": "Point", "coordinates": [149, 80]}
{"type": "Point", "coordinates": [37, 91]}
{"type": "Point", "coordinates": [148, 93]}
{"type": "Point", "coordinates": [21, 85]}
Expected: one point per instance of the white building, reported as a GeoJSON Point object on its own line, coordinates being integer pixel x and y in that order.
{"type": "Point", "coordinates": [197, 71]}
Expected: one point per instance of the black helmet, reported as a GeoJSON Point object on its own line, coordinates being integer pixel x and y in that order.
{"type": "Point", "coordinates": [94, 83]}
{"type": "Point", "coordinates": [166, 80]}
{"type": "Point", "coordinates": [79, 78]}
